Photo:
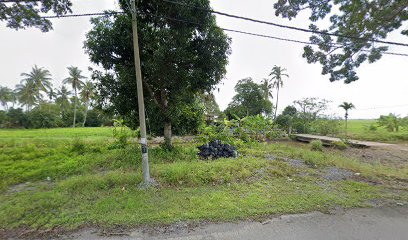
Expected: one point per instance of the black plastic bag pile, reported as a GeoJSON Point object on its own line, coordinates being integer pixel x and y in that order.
{"type": "Point", "coordinates": [215, 149]}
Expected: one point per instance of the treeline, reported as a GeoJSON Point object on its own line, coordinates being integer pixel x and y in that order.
{"type": "Point", "coordinates": [35, 103]}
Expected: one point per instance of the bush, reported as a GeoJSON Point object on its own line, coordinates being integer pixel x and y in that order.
{"type": "Point", "coordinates": [372, 127]}
{"type": "Point", "coordinates": [340, 145]}
{"type": "Point", "coordinates": [325, 126]}
{"type": "Point", "coordinates": [78, 146]}
{"type": "Point", "coordinates": [237, 131]}
{"type": "Point", "coordinates": [316, 145]}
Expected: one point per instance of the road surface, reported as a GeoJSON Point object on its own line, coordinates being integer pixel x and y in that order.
{"type": "Point", "coordinates": [388, 223]}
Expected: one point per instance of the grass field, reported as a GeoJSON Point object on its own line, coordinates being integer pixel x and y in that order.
{"type": "Point", "coordinates": [360, 129]}
{"type": "Point", "coordinates": [67, 178]}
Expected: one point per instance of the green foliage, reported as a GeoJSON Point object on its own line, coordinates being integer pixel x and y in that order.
{"type": "Point", "coordinates": [179, 60]}
{"type": "Point", "coordinates": [341, 56]}
{"type": "Point", "coordinates": [78, 146]}
{"type": "Point", "coordinates": [288, 119]}
{"type": "Point", "coordinates": [223, 132]}
{"type": "Point", "coordinates": [316, 145]}
{"type": "Point", "coordinates": [121, 133]}
{"type": "Point", "coordinates": [372, 127]}
{"type": "Point", "coordinates": [391, 121]}
{"type": "Point", "coordinates": [15, 118]}
{"type": "Point", "coordinates": [44, 116]}
{"type": "Point", "coordinates": [26, 14]}
{"type": "Point", "coordinates": [237, 131]}
{"type": "Point", "coordinates": [325, 126]}
{"type": "Point", "coordinates": [340, 145]}
{"type": "Point", "coordinates": [6, 96]}
{"type": "Point", "coordinates": [249, 100]}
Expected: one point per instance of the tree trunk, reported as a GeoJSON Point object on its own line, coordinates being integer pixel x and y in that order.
{"type": "Point", "coordinates": [167, 121]}
{"type": "Point", "coordinates": [277, 101]}
{"type": "Point", "coordinates": [85, 114]}
{"type": "Point", "coordinates": [346, 128]}
{"type": "Point", "coordinates": [75, 103]}
{"type": "Point", "coordinates": [167, 134]}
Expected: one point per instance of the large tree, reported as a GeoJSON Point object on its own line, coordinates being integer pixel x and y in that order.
{"type": "Point", "coordinates": [21, 14]}
{"type": "Point", "coordinates": [179, 58]}
{"type": "Point", "coordinates": [75, 80]}
{"type": "Point", "coordinates": [249, 100]}
{"type": "Point", "coordinates": [354, 25]}
{"type": "Point", "coordinates": [309, 109]}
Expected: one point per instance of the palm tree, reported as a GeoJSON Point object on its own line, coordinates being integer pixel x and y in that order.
{"type": "Point", "coordinates": [267, 88]}
{"type": "Point", "coordinates": [52, 94]}
{"type": "Point", "coordinates": [346, 106]}
{"type": "Point", "coordinates": [63, 98]}
{"type": "Point", "coordinates": [40, 77]}
{"type": "Point", "coordinates": [74, 80]}
{"type": "Point", "coordinates": [277, 74]}
{"type": "Point", "coordinates": [27, 94]}
{"type": "Point", "coordinates": [86, 96]}
{"type": "Point", "coordinates": [6, 96]}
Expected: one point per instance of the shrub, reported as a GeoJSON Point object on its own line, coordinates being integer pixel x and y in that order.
{"type": "Point", "coordinates": [78, 146]}
{"type": "Point", "coordinates": [121, 134]}
{"type": "Point", "coordinates": [372, 128]}
{"type": "Point", "coordinates": [316, 145]}
{"type": "Point", "coordinates": [340, 145]}
{"type": "Point", "coordinates": [325, 126]}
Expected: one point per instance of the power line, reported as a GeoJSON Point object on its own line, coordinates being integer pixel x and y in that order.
{"type": "Point", "coordinates": [268, 36]}
{"type": "Point", "coordinates": [195, 23]}
{"type": "Point", "coordinates": [83, 15]}
{"type": "Point", "coordinates": [284, 26]}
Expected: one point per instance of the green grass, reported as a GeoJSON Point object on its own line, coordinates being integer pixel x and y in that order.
{"type": "Point", "coordinates": [92, 185]}
{"type": "Point", "coordinates": [360, 129]}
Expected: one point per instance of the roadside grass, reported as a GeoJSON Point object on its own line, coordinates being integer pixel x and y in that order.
{"type": "Point", "coordinates": [91, 185]}
{"type": "Point", "coordinates": [326, 158]}
{"type": "Point", "coordinates": [360, 130]}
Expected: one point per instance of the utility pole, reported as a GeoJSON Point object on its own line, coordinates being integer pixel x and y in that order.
{"type": "Point", "coordinates": [140, 99]}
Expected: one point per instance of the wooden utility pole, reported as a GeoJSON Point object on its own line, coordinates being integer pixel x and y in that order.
{"type": "Point", "coordinates": [140, 99]}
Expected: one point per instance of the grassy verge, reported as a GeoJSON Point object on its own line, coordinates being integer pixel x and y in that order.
{"type": "Point", "coordinates": [88, 184]}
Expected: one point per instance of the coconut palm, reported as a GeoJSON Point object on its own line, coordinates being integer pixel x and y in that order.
{"type": "Point", "coordinates": [346, 106]}
{"type": "Point", "coordinates": [52, 94]}
{"type": "Point", "coordinates": [277, 75]}
{"type": "Point", "coordinates": [86, 96]}
{"type": "Point", "coordinates": [74, 80]}
{"type": "Point", "coordinates": [27, 94]}
{"type": "Point", "coordinates": [41, 78]}
{"type": "Point", "coordinates": [63, 98]}
{"type": "Point", "coordinates": [267, 88]}
{"type": "Point", "coordinates": [6, 96]}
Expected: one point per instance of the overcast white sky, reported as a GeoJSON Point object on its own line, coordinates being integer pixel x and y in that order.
{"type": "Point", "coordinates": [381, 85]}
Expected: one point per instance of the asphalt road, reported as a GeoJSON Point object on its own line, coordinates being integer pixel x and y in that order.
{"type": "Point", "coordinates": [387, 223]}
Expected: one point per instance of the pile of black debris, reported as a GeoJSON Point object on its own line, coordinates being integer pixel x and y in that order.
{"type": "Point", "coordinates": [215, 149]}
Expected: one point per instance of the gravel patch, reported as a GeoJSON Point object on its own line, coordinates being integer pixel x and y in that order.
{"type": "Point", "coordinates": [337, 174]}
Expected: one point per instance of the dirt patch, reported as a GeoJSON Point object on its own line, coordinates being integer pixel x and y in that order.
{"type": "Point", "coordinates": [390, 156]}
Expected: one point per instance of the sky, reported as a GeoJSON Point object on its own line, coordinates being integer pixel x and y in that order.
{"type": "Point", "coordinates": [382, 88]}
